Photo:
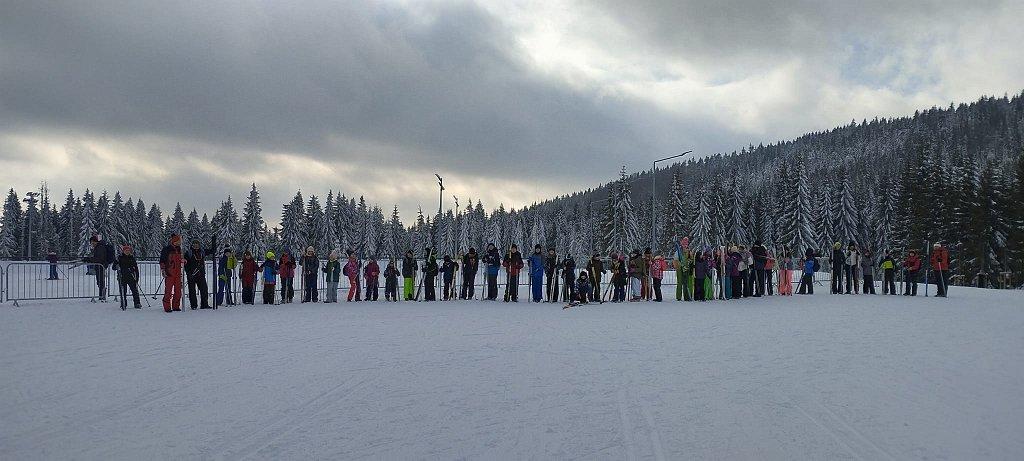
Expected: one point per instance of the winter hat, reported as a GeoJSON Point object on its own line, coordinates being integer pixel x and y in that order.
{"type": "Point", "coordinates": [659, 257]}
{"type": "Point", "coordinates": [936, 245]}
{"type": "Point", "coordinates": [685, 241]}
{"type": "Point", "coordinates": [126, 248]}
{"type": "Point", "coordinates": [472, 250]}
{"type": "Point", "coordinates": [175, 239]}
{"type": "Point", "coordinates": [270, 254]}
{"type": "Point", "coordinates": [333, 255]}
{"type": "Point", "coordinates": [310, 249]}
{"type": "Point", "coordinates": [94, 239]}
{"type": "Point", "coordinates": [196, 242]}
{"type": "Point", "coordinates": [227, 250]}
{"type": "Point", "coordinates": [837, 245]}
{"type": "Point", "coordinates": [583, 274]}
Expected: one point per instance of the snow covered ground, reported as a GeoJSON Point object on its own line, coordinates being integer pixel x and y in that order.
{"type": "Point", "coordinates": [817, 377]}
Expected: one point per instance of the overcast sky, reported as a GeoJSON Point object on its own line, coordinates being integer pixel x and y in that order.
{"type": "Point", "coordinates": [510, 101]}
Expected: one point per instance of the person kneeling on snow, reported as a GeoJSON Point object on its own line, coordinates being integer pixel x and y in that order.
{"type": "Point", "coordinates": [583, 288]}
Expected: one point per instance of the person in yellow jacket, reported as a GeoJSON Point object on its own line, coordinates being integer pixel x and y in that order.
{"type": "Point", "coordinates": [889, 274]}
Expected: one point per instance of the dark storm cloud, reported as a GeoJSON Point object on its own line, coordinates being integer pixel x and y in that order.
{"type": "Point", "coordinates": [448, 88]}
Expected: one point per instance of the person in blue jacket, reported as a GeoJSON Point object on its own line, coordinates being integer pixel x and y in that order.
{"type": "Point", "coordinates": [806, 279]}
{"type": "Point", "coordinates": [493, 260]}
{"type": "Point", "coordinates": [537, 273]}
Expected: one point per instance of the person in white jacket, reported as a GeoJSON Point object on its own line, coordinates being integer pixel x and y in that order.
{"type": "Point", "coordinates": [852, 266]}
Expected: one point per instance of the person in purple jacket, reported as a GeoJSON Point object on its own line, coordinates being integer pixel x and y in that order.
{"type": "Point", "coordinates": [732, 268]}
{"type": "Point", "coordinates": [700, 273]}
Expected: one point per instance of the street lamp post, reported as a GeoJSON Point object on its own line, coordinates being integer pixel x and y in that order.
{"type": "Point", "coordinates": [654, 228]}
{"type": "Point", "coordinates": [30, 199]}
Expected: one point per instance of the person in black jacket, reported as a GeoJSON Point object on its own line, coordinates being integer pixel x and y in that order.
{"type": "Point", "coordinates": [128, 275]}
{"type": "Point", "coordinates": [760, 254]}
{"type": "Point", "coordinates": [493, 261]}
{"type": "Point", "coordinates": [409, 268]}
{"type": "Point", "coordinates": [569, 277]}
{"type": "Point", "coordinates": [838, 262]}
{"type": "Point", "coordinates": [470, 263]}
{"type": "Point", "coordinates": [98, 260]}
{"type": "Point", "coordinates": [310, 275]}
{"type": "Point", "coordinates": [430, 271]}
{"type": "Point", "coordinates": [550, 265]}
{"type": "Point", "coordinates": [195, 273]}
{"type": "Point", "coordinates": [595, 268]}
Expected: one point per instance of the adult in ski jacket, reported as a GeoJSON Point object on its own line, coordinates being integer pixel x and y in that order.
{"type": "Point", "coordinates": [128, 276]}
{"type": "Point", "coordinates": [747, 271]}
{"type": "Point", "coordinates": [911, 266]}
{"type": "Point", "coordinates": [195, 273]}
{"type": "Point", "coordinates": [537, 270]}
{"type": "Point", "coordinates": [636, 274]}
{"type": "Point", "coordinates": [733, 262]}
{"type": "Point", "coordinates": [940, 264]}
{"type": "Point", "coordinates": [51, 258]}
{"type": "Point", "coordinates": [595, 268]}
{"type": "Point", "coordinates": [493, 261]}
{"type": "Point", "coordinates": [838, 260]}
{"type": "Point", "coordinates": [332, 275]}
{"type": "Point", "coordinates": [785, 268]}
{"type": "Point", "coordinates": [391, 274]}
{"type": "Point", "coordinates": [867, 272]}
{"type": "Point", "coordinates": [99, 259]}
{"type": "Point", "coordinates": [850, 266]}
{"type": "Point", "coordinates": [701, 275]}
{"type": "Point", "coordinates": [248, 275]}
{"type": "Point", "coordinates": [760, 256]}
{"type": "Point", "coordinates": [351, 270]}
{"type": "Point", "coordinates": [372, 274]}
{"type": "Point", "coordinates": [225, 276]}
{"type": "Point", "coordinates": [470, 265]}
{"type": "Point", "coordinates": [658, 268]}
{"type": "Point", "coordinates": [171, 261]}
{"type": "Point", "coordinates": [310, 264]}
{"type": "Point", "coordinates": [270, 270]}
{"type": "Point", "coordinates": [286, 269]}
{"type": "Point", "coordinates": [620, 275]}
{"type": "Point", "coordinates": [409, 268]}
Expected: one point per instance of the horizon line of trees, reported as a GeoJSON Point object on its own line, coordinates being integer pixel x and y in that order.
{"type": "Point", "coordinates": [953, 175]}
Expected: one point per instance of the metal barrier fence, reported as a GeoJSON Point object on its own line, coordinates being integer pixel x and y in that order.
{"type": "Point", "coordinates": [25, 281]}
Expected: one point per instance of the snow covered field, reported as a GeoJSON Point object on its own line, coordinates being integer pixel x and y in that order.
{"type": "Point", "coordinates": [819, 377]}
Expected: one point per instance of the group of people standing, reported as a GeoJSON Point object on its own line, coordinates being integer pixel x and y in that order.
{"type": "Point", "coordinates": [724, 272]}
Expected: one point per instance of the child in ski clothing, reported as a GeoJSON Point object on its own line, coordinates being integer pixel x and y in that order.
{"type": "Point", "coordinates": [248, 274]}
{"type": "Point", "coordinates": [470, 263]}
{"type": "Point", "coordinates": [867, 271]}
{"type": "Point", "coordinates": [333, 276]}
{"type": "Point", "coordinates": [448, 269]}
{"type": "Point", "coordinates": [430, 271]}
{"type": "Point", "coordinates": [225, 275]}
{"type": "Point", "coordinates": [351, 270]}
{"type": "Point", "coordinates": [269, 268]}
{"type": "Point", "coordinates": [658, 268]}
{"type": "Point", "coordinates": [310, 263]}
{"type": "Point", "coordinates": [911, 265]}
{"type": "Point", "coordinates": [128, 274]}
{"type": "Point", "coordinates": [286, 267]}
{"type": "Point", "coordinates": [391, 275]}
{"type": "Point", "coordinates": [850, 266]}
{"type": "Point", "coordinates": [636, 272]}
{"type": "Point", "coordinates": [493, 261]}
{"type": "Point", "coordinates": [513, 265]}
{"type": "Point", "coordinates": [769, 269]}
{"type": "Point", "coordinates": [583, 289]}
{"type": "Point", "coordinates": [170, 265]}
{"type": "Point", "coordinates": [733, 263]}
{"type": "Point", "coordinates": [372, 274]}
{"type": "Point", "coordinates": [888, 274]}
{"type": "Point", "coordinates": [940, 264]}
{"type": "Point", "coordinates": [409, 268]}
{"type": "Point", "coordinates": [700, 275]}
{"type": "Point", "coordinates": [569, 277]}
{"type": "Point", "coordinates": [595, 268]}
{"type": "Point", "coordinates": [537, 269]}
{"type": "Point", "coordinates": [806, 277]}
{"type": "Point", "coordinates": [837, 262]}
{"type": "Point", "coordinates": [619, 278]}
{"type": "Point", "coordinates": [786, 274]}
{"type": "Point", "coordinates": [683, 264]}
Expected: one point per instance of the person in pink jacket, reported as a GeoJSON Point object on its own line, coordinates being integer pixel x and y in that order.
{"type": "Point", "coordinates": [658, 268]}
{"type": "Point", "coordinates": [351, 270]}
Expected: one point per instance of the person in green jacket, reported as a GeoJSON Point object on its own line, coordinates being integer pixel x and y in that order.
{"type": "Point", "coordinates": [333, 271]}
{"type": "Point", "coordinates": [684, 270]}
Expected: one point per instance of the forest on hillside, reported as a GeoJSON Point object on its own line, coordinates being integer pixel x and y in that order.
{"type": "Point", "coordinates": [954, 175]}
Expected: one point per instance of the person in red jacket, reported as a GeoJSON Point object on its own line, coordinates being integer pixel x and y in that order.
{"type": "Point", "coordinates": [351, 270]}
{"type": "Point", "coordinates": [940, 264]}
{"type": "Point", "coordinates": [249, 270]}
{"type": "Point", "coordinates": [286, 268]}
{"type": "Point", "coordinates": [372, 272]}
{"type": "Point", "coordinates": [170, 266]}
{"type": "Point", "coordinates": [910, 266]}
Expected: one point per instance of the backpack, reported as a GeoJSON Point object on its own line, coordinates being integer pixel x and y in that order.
{"type": "Point", "coordinates": [817, 265]}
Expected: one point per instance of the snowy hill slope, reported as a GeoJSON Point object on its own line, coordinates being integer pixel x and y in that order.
{"type": "Point", "coordinates": [779, 378]}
